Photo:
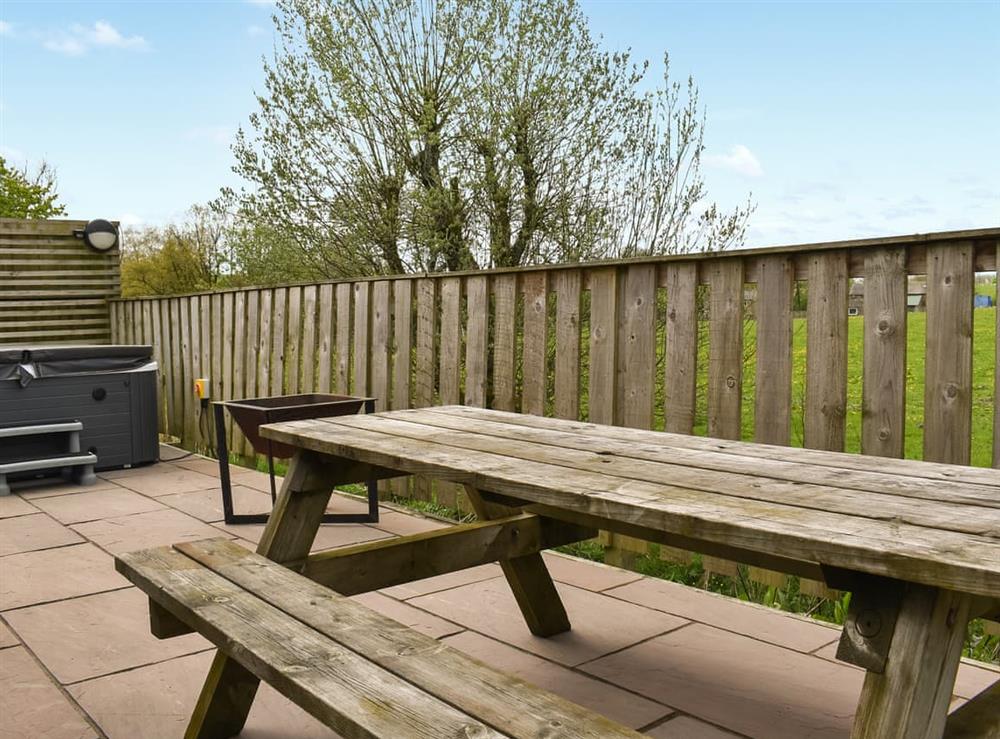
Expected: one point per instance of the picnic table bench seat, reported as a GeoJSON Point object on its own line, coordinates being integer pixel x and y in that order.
{"type": "Point", "coordinates": [357, 671]}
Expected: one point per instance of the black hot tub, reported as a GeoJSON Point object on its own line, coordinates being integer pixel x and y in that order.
{"type": "Point", "coordinates": [111, 389]}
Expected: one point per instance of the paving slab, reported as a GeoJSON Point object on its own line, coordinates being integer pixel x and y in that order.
{"type": "Point", "coordinates": [204, 465]}
{"type": "Point", "coordinates": [98, 504]}
{"type": "Point", "coordinates": [587, 575]}
{"type": "Point", "coordinates": [96, 635]}
{"type": "Point", "coordinates": [142, 470]}
{"type": "Point", "coordinates": [766, 624]}
{"type": "Point", "coordinates": [33, 532]}
{"type": "Point", "coordinates": [32, 706]}
{"type": "Point", "coordinates": [742, 684]}
{"type": "Point", "coordinates": [254, 479]}
{"type": "Point", "coordinates": [7, 638]}
{"type": "Point", "coordinates": [166, 482]}
{"type": "Point", "coordinates": [329, 536]}
{"type": "Point", "coordinates": [617, 704]}
{"type": "Point", "coordinates": [15, 505]}
{"type": "Point", "coordinates": [55, 574]}
{"type": "Point", "coordinates": [206, 505]}
{"type": "Point", "coordinates": [600, 624]}
{"type": "Point", "coordinates": [686, 727]}
{"type": "Point", "coordinates": [50, 488]}
{"type": "Point", "coordinates": [407, 615]}
{"type": "Point", "coordinates": [346, 503]}
{"type": "Point", "coordinates": [155, 702]}
{"type": "Point", "coordinates": [145, 530]}
{"type": "Point", "coordinates": [444, 582]}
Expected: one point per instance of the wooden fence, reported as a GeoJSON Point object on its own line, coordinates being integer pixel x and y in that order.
{"type": "Point", "coordinates": [54, 289]}
{"type": "Point", "coordinates": [664, 343]}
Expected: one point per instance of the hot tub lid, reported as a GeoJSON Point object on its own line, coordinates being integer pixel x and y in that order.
{"type": "Point", "coordinates": [29, 362]}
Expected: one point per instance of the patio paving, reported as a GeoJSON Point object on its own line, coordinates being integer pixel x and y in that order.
{"type": "Point", "coordinates": [77, 659]}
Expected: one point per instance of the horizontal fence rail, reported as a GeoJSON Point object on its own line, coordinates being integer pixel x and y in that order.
{"type": "Point", "coordinates": [54, 289]}
{"type": "Point", "coordinates": [750, 344]}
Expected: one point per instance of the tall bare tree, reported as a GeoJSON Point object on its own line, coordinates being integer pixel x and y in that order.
{"type": "Point", "coordinates": [400, 135]}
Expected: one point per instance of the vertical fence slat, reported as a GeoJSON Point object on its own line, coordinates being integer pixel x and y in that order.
{"type": "Point", "coordinates": [603, 347]}
{"type": "Point", "coordinates": [176, 368]}
{"type": "Point", "coordinates": [477, 298]}
{"type": "Point", "coordinates": [826, 352]}
{"type": "Point", "coordinates": [449, 350]}
{"type": "Point", "coordinates": [324, 352]}
{"type": "Point", "coordinates": [423, 375]}
{"type": "Point", "coordinates": [228, 314]}
{"type": "Point", "coordinates": [534, 368]}
{"type": "Point", "coordinates": [567, 370]}
{"type": "Point", "coordinates": [725, 349]}
{"type": "Point", "coordinates": [239, 363]}
{"type": "Point", "coordinates": [680, 373]}
{"type": "Point", "coordinates": [343, 374]}
{"type": "Point", "coordinates": [218, 389]}
{"type": "Point", "coordinates": [637, 347]}
{"type": "Point", "coordinates": [773, 398]}
{"type": "Point", "coordinates": [187, 363]}
{"type": "Point", "coordinates": [381, 337]}
{"type": "Point", "coordinates": [308, 352]}
{"type": "Point", "coordinates": [151, 309]}
{"type": "Point", "coordinates": [265, 343]}
{"type": "Point", "coordinates": [362, 330]}
{"type": "Point", "coordinates": [883, 417]}
{"type": "Point", "coordinates": [278, 339]}
{"type": "Point", "coordinates": [293, 338]}
{"type": "Point", "coordinates": [948, 364]}
{"type": "Point", "coordinates": [504, 337]}
{"type": "Point", "coordinates": [250, 358]}
{"type": "Point", "coordinates": [402, 360]}
{"type": "Point", "coordinates": [196, 438]}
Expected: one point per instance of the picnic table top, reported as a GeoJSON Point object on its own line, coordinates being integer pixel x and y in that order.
{"type": "Point", "coordinates": [922, 522]}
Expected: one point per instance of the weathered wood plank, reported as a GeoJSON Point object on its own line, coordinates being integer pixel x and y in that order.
{"type": "Point", "coordinates": [402, 360]}
{"type": "Point", "coordinates": [911, 698]}
{"type": "Point", "coordinates": [978, 718]}
{"type": "Point", "coordinates": [773, 394]}
{"type": "Point", "coordinates": [264, 342]}
{"type": "Point", "coordinates": [324, 352]}
{"type": "Point", "coordinates": [309, 295]}
{"type": "Point", "coordinates": [176, 367]}
{"type": "Point", "coordinates": [948, 357]}
{"type": "Point", "coordinates": [343, 369]}
{"type": "Point", "coordinates": [996, 378]}
{"type": "Point", "coordinates": [534, 367]}
{"type": "Point", "coordinates": [279, 340]}
{"type": "Point", "coordinates": [603, 346]}
{"type": "Point", "coordinates": [826, 352]}
{"type": "Point", "coordinates": [725, 349]}
{"type": "Point", "coordinates": [957, 561]}
{"type": "Point", "coordinates": [423, 379]}
{"type": "Point", "coordinates": [441, 671]}
{"type": "Point", "coordinates": [341, 688]}
{"type": "Point", "coordinates": [637, 347]}
{"type": "Point", "coordinates": [381, 336]}
{"type": "Point", "coordinates": [216, 358]}
{"type": "Point", "coordinates": [504, 330]}
{"type": "Point", "coordinates": [450, 340]}
{"type": "Point", "coordinates": [567, 285]}
{"type": "Point", "coordinates": [228, 350]}
{"type": "Point", "coordinates": [477, 297]}
{"type": "Point", "coordinates": [293, 337]}
{"type": "Point", "coordinates": [251, 357]}
{"type": "Point", "coordinates": [883, 417]}
{"type": "Point", "coordinates": [381, 564]}
{"type": "Point", "coordinates": [193, 367]}
{"type": "Point", "coordinates": [844, 466]}
{"type": "Point", "coordinates": [362, 333]}
{"type": "Point", "coordinates": [681, 353]}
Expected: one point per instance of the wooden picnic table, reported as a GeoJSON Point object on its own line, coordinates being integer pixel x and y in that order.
{"type": "Point", "coordinates": [918, 544]}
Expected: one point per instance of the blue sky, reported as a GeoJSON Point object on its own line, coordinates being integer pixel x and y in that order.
{"type": "Point", "coordinates": [844, 119]}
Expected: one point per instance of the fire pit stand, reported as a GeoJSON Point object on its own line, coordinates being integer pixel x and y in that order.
{"type": "Point", "coordinates": [253, 413]}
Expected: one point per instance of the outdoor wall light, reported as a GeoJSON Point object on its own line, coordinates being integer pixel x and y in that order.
{"type": "Point", "coordinates": [99, 235]}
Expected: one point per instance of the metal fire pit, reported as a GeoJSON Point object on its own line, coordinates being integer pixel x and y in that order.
{"type": "Point", "coordinates": [252, 413]}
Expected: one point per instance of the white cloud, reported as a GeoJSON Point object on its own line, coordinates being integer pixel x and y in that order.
{"type": "Point", "coordinates": [6, 29]}
{"type": "Point", "coordinates": [130, 219]}
{"type": "Point", "coordinates": [254, 30]}
{"type": "Point", "coordinates": [79, 39]}
{"type": "Point", "coordinates": [739, 159]}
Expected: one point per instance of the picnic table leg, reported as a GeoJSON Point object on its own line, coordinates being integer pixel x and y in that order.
{"type": "Point", "coordinates": [229, 689]}
{"type": "Point", "coordinates": [527, 576]}
{"type": "Point", "coordinates": [910, 699]}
